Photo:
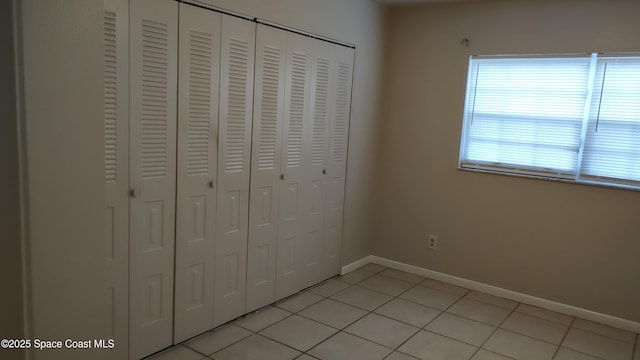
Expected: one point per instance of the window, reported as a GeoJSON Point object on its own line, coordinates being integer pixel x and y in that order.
{"type": "Point", "coordinates": [573, 118]}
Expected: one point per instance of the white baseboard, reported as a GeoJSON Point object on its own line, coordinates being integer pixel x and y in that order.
{"type": "Point", "coordinates": [497, 291]}
{"type": "Point", "coordinates": [356, 264]}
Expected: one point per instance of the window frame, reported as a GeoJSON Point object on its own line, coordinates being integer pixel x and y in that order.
{"type": "Point", "coordinates": [533, 172]}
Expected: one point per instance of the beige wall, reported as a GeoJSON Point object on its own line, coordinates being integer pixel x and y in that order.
{"type": "Point", "coordinates": [357, 22]}
{"type": "Point", "coordinates": [63, 89]}
{"type": "Point", "coordinates": [574, 244]}
{"type": "Point", "coordinates": [11, 325]}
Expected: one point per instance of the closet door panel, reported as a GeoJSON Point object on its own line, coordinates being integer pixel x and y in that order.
{"type": "Point", "coordinates": [116, 129]}
{"type": "Point", "coordinates": [236, 99]}
{"type": "Point", "coordinates": [337, 162]}
{"type": "Point", "coordinates": [153, 87]}
{"type": "Point", "coordinates": [291, 231]}
{"type": "Point", "coordinates": [198, 86]}
{"type": "Point", "coordinates": [317, 146]}
{"type": "Point", "coordinates": [268, 115]}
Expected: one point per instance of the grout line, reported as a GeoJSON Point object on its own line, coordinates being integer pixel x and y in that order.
{"type": "Point", "coordinates": [489, 303]}
{"type": "Point", "coordinates": [578, 351]}
{"type": "Point", "coordinates": [273, 323]}
{"type": "Point", "coordinates": [320, 343]}
{"type": "Point", "coordinates": [369, 312]}
{"type": "Point", "coordinates": [377, 343]}
{"type": "Point", "coordinates": [307, 354]}
{"type": "Point", "coordinates": [569, 327]}
{"type": "Point", "coordinates": [291, 347]}
{"type": "Point", "coordinates": [494, 331]}
{"type": "Point", "coordinates": [400, 352]}
{"type": "Point", "coordinates": [493, 352]}
{"type": "Point", "coordinates": [361, 287]}
{"type": "Point", "coordinates": [218, 329]}
{"type": "Point", "coordinates": [467, 291]}
{"type": "Point", "coordinates": [606, 336]}
{"type": "Point", "coordinates": [339, 329]}
{"type": "Point", "coordinates": [407, 290]}
{"type": "Point", "coordinates": [304, 317]}
{"type": "Point", "coordinates": [258, 333]}
{"type": "Point", "coordinates": [194, 350]}
{"type": "Point", "coordinates": [393, 297]}
{"type": "Point", "coordinates": [545, 310]}
{"type": "Point", "coordinates": [428, 322]}
{"type": "Point", "coordinates": [298, 293]}
{"type": "Point", "coordinates": [584, 353]}
{"type": "Point", "coordinates": [564, 337]}
{"type": "Point", "coordinates": [392, 278]}
{"type": "Point", "coordinates": [523, 298]}
{"type": "Point", "coordinates": [423, 328]}
{"type": "Point", "coordinates": [400, 321]}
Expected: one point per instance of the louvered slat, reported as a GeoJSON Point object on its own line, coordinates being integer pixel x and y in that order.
{"type": "Point", "coordinates": [339, 149]}
{"type": "Point", "coordinates": [318, 144]}
{"type": "Point", "coordinates": [235, 142]}
{"type": "Point", "coordinates": [200, 54]}
{"type": "Point", "coordinates": [110, 97]}
{"type": "Point", "coordinates": [153, 85]}
{"type": "Point", "coordinates": [199, 32]}
{"type": "Point", "coordinates": [269, 108]}
{"type": "Point", "coordinates": [116, 165]}
{"type": "Point", "coordinates": [268, 117]}
{"type": "Point", "coordinates": [298, 96]}
{"type": "Point", "coordinates": [154, 100]}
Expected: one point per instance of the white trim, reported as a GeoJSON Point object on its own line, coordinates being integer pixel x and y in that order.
{"type": "Point", "coordinates": [356, 264]}
{"type": "Point", "coordinates": [25, 233]}
{"type": "Point", "coordinates": [605, 319]}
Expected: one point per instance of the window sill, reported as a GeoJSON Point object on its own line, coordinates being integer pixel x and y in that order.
{"type": "Point", "coordinates": [608, 185]}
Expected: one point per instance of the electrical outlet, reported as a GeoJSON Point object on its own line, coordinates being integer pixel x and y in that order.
{"type": "Point", "coordinates": [432, 242]}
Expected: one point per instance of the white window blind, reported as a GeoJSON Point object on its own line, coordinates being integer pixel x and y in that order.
{"type": "Point", "coordinates": [612, 146]}
{"type": "Point", "coordinates": [567, 117]}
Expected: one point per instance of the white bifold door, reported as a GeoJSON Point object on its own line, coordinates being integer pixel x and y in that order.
{"type": "Point", "coordinates": [315, 127]}
{"type": "Point", "coordinates": [234, 166]}
{"type": "Point", "coordinates": [116, 134]}
{"type": "Point", "coordinates": [153, 107]}
{"type": "Point", "coordinates": [198, 89]}
{"type": "Point", "coordinates": [336, 169]}
{"type": "Point", "coordinates": [268, 115]}
{"type": "Point", "coordinates": [293, 237]}
{"type": "Point", "coordinates": [216, 60]}
{"type": "Point", "coordinates": [224, 190]}
{"type": "Point", "coordinates": [301, 114]}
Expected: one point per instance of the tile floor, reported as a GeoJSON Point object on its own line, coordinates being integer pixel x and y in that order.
{"type": "Point", "coordinates": [380, 313]}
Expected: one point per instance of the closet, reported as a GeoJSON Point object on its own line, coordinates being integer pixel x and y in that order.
{"type": "Point", "coordinates": [300, 124]}
{"type": "Point", "coordinates": [225, 160]}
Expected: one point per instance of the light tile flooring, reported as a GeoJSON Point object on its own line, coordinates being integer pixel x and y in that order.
{"type": "Point", "coordinates": [380, 313]}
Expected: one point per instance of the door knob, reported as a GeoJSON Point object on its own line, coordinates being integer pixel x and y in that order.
{"type": "Point", "coordinates": [324, 171]}
{"type": "Point", "coordinates": [212, 184]}
{"type": "Point", "coordinates": [282, 177]}
{"type": "Point", "coordinates": [134, 193]}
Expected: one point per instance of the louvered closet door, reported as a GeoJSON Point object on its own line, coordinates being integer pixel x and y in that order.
{"type": "Point", "coordinates": [116, 134]}
{"type": "Point", "coordinates": [292, 220]}
{"type": "Point", "coordinates": [265, 165]}
{"type": "Point", "coordinates": [153, 95]}
{"type": "Point", "coordinates": [199, 69]}
{"type": "Point", "coordinates": [236, 99]}
{"type": "Point", "coordinates": [337, 165]}
{"type": "Point", "coordinates": [316, 144]}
